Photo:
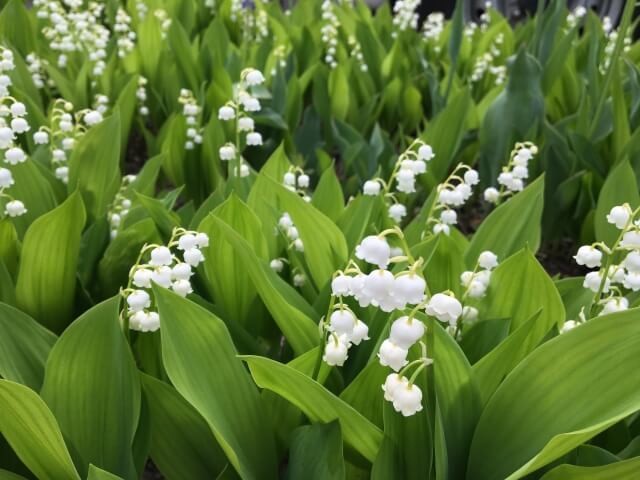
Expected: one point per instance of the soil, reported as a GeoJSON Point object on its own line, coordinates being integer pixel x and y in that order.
{"type": "Point", "coordinates": [151, 472]}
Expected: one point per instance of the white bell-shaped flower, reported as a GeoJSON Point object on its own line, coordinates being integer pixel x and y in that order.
{"type": "Point", "coordinates": [202, 240]}
{"type": "Point", "coordinates": [588, 256]}
{"type": "Point", "coordinates": [254, 77]}
{"type": "Point", "coordinates": [246, 124]}
{"type": "Point", "coordinates": [15, 208]}
{"type": "Point", "coordinates": [226, 113]}
{"type": "Point", "coordinates": [631, 240]}
{"type": "Point", "coordinates": [391, 384]}
{"type": "Point", "coordinates": [336, 351]}
{"type": "Point", "coordinates": [619, 216]}
{"type": "Point", "coordinates": [441, 228]}
{"type": "Point", "coordinates": [285, 221]}
{"type": "Point", "coordinates": [276, 265]}
{"type": "Point", "coordinates": [371, 187]}
{"type": "Point", "coordinates": [392, 355]}
{"type": "Point", "coordinates": [14, 156]}
{"type": "Point", "coordinates": [592, 281]}
{"type": "Point", "coordinates": [471, 177]}
{"type": "Point", "coordinates": [488, 260]}
{"type": "Point", "coordinates": [6, 178]}
{"type": "Point", "coordinates": [18, 109]}
{"type": "Point", "coordinates": [379, 284]}
{"type": "Point", "coordinates": [341, 285]}
{"type": "Point", "coordinates": [445, 308]}
{"type": "Point", "coordinates": [254, 139]}
{"type": "Point", "coordinates": [289, 179]}
{"type": "Point", "coordinates": [19, 125]}
{"type": "Point", "coordinates": [303, 180]}
{"type": "Point", "coordinates": [397, 212]}
{"type": "Point", "coordinates": [142, 278]}
{"type": "Point", "coordinates": [410, 288]}
{"type": "Point", "coordinates": [425, 152]}
{"type": "Point", "coordinates": [632, 281]}
{"type": "Point", "coordinates": [93, 117]}
{"type": "Point", "coordinates": [193, 257]}
{"type": "Point", "coordinates": [227, 152]}
{"type": "Point", "coordinates": [150, 323]}
{"type": "Point", "coordinates": [614, 305]}
{"type": "Point", "coordinates": [449, 217]}
{"type": "Point", "coordinates": [182, 287]}
{"type": "Point", "coordinates": [187, 241]}
{"type": "Point", "coordinates": [375, 250]}
{"type": "Point", "coordinates": [568, 325]}
{"type": "Point", "coordinates": [138, 300]}
{"type": "Point", "coordinates": [632, 261]}
{"type": "Point", "coordinates": [161, 256]}
{"type": "Point", "coordinates": [406, 331]}
{"type": "Point", "coordinates": [162, 276]}
{"type": "Point", "coordinates": [342, 322]}
{"type": "Point", "coordinates": [491, 195]}
{"type": "Point", "coordinates": [360, 333]}
{"type": "Point", "coordinates": [407, 399]}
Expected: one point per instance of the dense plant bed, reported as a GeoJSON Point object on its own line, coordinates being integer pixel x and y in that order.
{"type": "Point", "coordinates": [243, 241]}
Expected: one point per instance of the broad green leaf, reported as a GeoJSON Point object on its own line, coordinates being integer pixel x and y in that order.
{"type": "Point", "coordinates": [458, 398]}
{"type": "Point", "coordinates": [325, 248]}
{"type": "Point", "coordinates": [230, 283]}
{"type": "Point", "coordinates": [96, 473]}
{"type": "Point", "coordinates": [182, 444]}
{"type": "Point", "coordinates": [510, 227]}
{"type": "Point", "coordinates": [98, 409]}
{"type": "Point", "coordinates": [533, 311]}
{"type": "Point", "coordinates": [338, 86]}
{"type": "Point", "coordinates": [32, 431]}
{"type": "Point", "coordinates": [316, 452]}
{"type": "Point", "coordinates": [24, 347]}
{"type": "Point", "coordinates": [94, 166]}
{"type": "Point", "coordinates": [621, 186]}
{"type": "Point", "coordinates": [328, 196]}
{"type": "Point", "coordinates": [47, 276]}
{"type": "Point", "coordinates": [194, 341]}
{"type": "Point", "coordinates": [547, 406]}
{"type": "Point", "coordinates": [17, 27]}
{"type": "Point", "coordinates": [614, 471]}
{"type": "Point", "coordinates": [317, 403]}
{"type": "Point", "coordinates": [165, 219]}
{"type": "Point", "coordinates": [294, 317]}
{"type": "Point", "coordinates": [515, 113]}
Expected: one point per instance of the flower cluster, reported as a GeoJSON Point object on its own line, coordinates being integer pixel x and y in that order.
{"type": "Point", "coordinates": [165, 268]}
{"type": "Point", "coordinates": [36, 67]}
{"type": "Point", "coordinates": [191, 111]}
{"type": "Point", "coordinates": [451, 194]}
{"type": "Point", "coordinates": [330, 33]}
{"type": "Point", "coordinates": [612, 39]}
{"type": "Point", "coordinates": [514, 174]}
{"type": "Point", "coordinates": [12, 124]}
{"type": "Point", "coordinates": [162, 16]}
{"type": "Point", "coordinates": [141, 10]}
{"type": "Point", "coordinates": [356, 52]}
{"type": "Point", "coordinates": [405, 16]}
{"type": "Point", "coordinates": [141, 95]}
{"type": "Point", "coordinates": [490, 62]}
{"type": "Point", "coordinates": [433, 27]}
{"type": "Point", "coordinates": [475, 283]}
{"type": "Point", "coordinates": [297, 181]}
{"type": "Point", "coordinates": [101, 104]}
{"type": "Point", "coordinates": [125, 36]}
{"type": "Point", "coordinates": [411, 163]}
{"type": "Point", "coordinates": [64, 129]}
{"type": "Point", "coordinates": [618, 265]}
{"type": "Point", "coordinates": [576, 15]}
{"type": "Point", "coordinates": [280, 59]}
{"type": "Point", "coordinates": [288, 230]}
{"type": "Point", "coordinates": [72, 28]}
{"type": "Point", "coordinates": [120, 206]}
{"type": "Point", "coordinates": [240, 110]}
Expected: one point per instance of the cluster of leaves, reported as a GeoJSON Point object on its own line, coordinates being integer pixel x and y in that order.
{"type": "Point", "coordinates": [229, 386]}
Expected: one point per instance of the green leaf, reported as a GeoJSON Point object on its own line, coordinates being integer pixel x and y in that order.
{"type": "Point", "coordinates": [614, 471]}
{"type": "Point", "coordinates": [24, 347]}
{"type": "Point", "coordinates": [228, 281]}
{"type": "Point", "coordinates": [32, 431]}
{"type": "Point", "coordinates": [338, 86]}
{"type": "Point", "coordinates": [94, 166]}
{"type": "Point", "coordinates": [517, 111]}
{"type": "Point", "coordinates": [325, 248]}
{"type": "Point", "coordinates": [194, 340]}
{"type": "Point", "coordinates": [547, 406]}
{"type": "Point", "coordinates": [182, 444]}
{"type": "Point", "coordinates": [47, 276]}
{"type": "Point", "coordinates": [316, 452]}
{"type": "Point", "coordinates": [507, 298]}
{"type": "Point", "coordinates": [317, 403]}
{"type": "Point", "coordinates": [458, 398]}
{"type": "Point", "coordinates": [294, 317]}
{"type": "Point", "coordinates": [98, 412]}
{"type": "Point", "coordinates": [96, 473]}
{"type": "Point", "coordinates": [621, 186]}
{"type": "Point", "coordinates": [510, 227]}
{"type": "Point", "coordinates": [328, 196]}
{"type": "Point", "coordinates": [17, 27]}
